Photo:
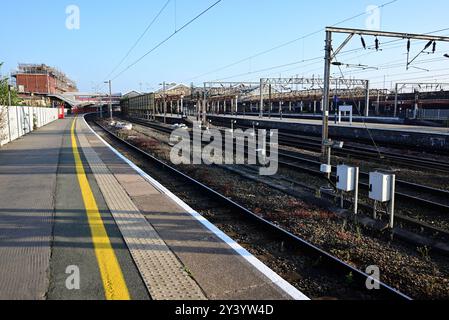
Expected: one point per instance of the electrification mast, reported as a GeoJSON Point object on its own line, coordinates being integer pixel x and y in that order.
{"type": "Point", "coordinates": [330, 55]}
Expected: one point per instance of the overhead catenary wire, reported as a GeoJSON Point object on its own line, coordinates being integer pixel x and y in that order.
{"type": "Point", "coordinates": [380, 67]}
{"type": "Point", "coordinates": [398, 64]}
{"type": "Point", "coordinates": [389, 66]}
{"type": "Point", "coordinates": [139, 39]}
{"type": "Point", "coordinates": [285, 44]}
{"type": "Point", "coordinates": [363, 119]}
{"type": "Point", "coordinates": [168, 38]}
{"type": "Point", "coordinates": [392, 77]}
{"type": "Point", "coordinates": [377, 47]}
{"type": "Point", "coordinates": [393, 63]}
{"type": "Point", "coordinates": [271, 68]}
{"type": "Point", "coordinates": [318, 59]}
{"type": "Point", "coordinates": [388, 45]}
{"type": "Point", "coordinates": [430, 77]}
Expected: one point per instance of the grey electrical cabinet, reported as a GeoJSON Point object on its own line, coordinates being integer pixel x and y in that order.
{"type": "Point", "coordinates": [380, 186]}
{"type": "Point", "coordinates": [345, 178]}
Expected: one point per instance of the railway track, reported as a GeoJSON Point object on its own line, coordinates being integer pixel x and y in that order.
{"type": "Point", "coordinates": [358, 152]}
{"type": "Point", "coordinates": [264, 232]}
{"type": "Point", "coordinates": [311, 143]}
{"type": "Point", "coordinates": [362, 153]}
{"type": "Point", "coordinates": [429, 198]}
{"type": "Point", "coordinates": [292, 159]}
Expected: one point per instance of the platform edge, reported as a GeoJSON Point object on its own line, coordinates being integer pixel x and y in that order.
{"type": "Point", "coordinates": [259, 265]}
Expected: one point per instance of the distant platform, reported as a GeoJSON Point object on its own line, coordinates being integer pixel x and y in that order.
{"type": "Point", "coordinates": [311, 116]}
{"type": "Point", "coordinates": [421, 138]}
{"type": "Point", "coordinates": [434, 139]}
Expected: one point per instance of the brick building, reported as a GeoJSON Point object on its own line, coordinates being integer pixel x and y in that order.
{"type": "Point", "coordinates": [42, 79]}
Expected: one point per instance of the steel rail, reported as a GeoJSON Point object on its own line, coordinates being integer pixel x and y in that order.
{"type": "Point", "coordinates": [359, 277]}
{"type": "Point", "coordinates": [293, 156]}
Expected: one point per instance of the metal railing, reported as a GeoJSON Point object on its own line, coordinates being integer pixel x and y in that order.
{"type": "Point", "coordinates": [433, 114]}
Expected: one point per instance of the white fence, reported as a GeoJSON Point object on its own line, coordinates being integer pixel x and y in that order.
{"type": "Point", "coordinates": [16, 122]}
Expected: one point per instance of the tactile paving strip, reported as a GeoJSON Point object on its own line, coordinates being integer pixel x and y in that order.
{"type": "Point", "coordinates": [163, 274]}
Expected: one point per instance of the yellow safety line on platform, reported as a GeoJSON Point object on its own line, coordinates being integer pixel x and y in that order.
{"type": "Point", "coordinates": [113, 281]}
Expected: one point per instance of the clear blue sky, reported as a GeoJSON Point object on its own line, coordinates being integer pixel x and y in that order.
{"type": "Point", "coordinates": [34, 32]}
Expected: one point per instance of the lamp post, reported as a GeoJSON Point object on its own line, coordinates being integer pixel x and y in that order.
{"type": "Point", "coordinates": [182, 106]}
{"type": "Point", "coordinates": [110, 99]}
{"type": "Point", "coordinates": [7, 113]}
{"type": "Point", "coordinates": [165, 102]}
{"type": "Point", "coordinates": [9, 95]}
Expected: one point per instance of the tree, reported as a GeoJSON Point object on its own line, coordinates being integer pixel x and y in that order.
{"type": "Point", "coordinates": [4, 92]}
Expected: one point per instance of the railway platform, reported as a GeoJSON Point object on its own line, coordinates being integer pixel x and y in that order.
{"type": "Point", "coordinates": [356, 125]}
{"type": "Point", "coordinates": [78, 221]}
{"type": "Point", "coordinates": [384, 125]}
{"type": "Point", "coordinates": [434, 139]}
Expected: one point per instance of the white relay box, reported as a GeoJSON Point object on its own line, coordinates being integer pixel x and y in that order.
{"type": "Point", "coordinates": [325, 168]}
{"type": "Point", "coordinates": [345, 178]}
{"type": "Point", "coordinates": [380, 186]}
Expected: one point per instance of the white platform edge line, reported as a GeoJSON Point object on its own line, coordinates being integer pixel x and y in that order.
{"type": "Point", "coordinates": [259, 265]}
{"type": "Point", "coordinates": [155, 294]}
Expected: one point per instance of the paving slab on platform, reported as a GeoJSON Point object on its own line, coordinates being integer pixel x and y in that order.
{"type": "Point", "coordinates": [28, 170]}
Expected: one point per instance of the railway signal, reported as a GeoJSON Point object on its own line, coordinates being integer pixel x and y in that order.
{"type": "Point", "coordinates": [110, 99]}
